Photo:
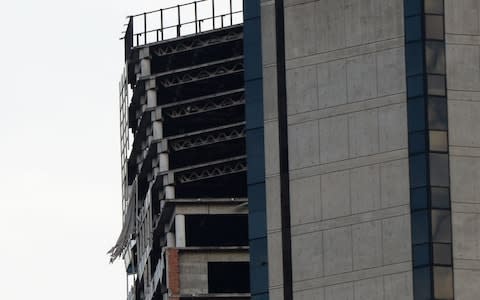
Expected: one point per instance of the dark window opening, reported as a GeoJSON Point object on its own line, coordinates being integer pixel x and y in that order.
{"type": "Point", "coordinates": [203, 121]}
{"type": "Point", "coordinates": [228, 277]}
{"type": "Point", "coordinates": [216, 230]}
{"type": "Point", "coordinates": [207, 153]}
{"type": "Point", "coordinates": [199, 56]}
{"type": "Point", "coordinates": [227, 186]}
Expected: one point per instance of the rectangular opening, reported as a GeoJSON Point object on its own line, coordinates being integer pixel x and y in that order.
{"type": "Point", "coordinates": [228, 277]}
{"type": "Point", "coordinates": [216, 230]}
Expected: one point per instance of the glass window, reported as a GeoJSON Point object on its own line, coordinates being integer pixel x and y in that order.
{"type": "Point", "coordinates": [420, 228]}
{"type": "Point", "coordinates": [434, 7]}
{"type": "Point", "coordinates": [416, 114]}
{"type": "Point", "coordinates": [438, 141]}
{"type": "Point", "coordinates": [437, 113]}
{"type": "Point", "coordinates": [441, 226]}
{"type": "Point", "coordinates": [421, 255]}
{"type": "Point", "coordinates": [421, 283]}
{"type": "Point", "coordinates": [436, 85]}
{"type": "Point", "coordinates": [434, 27]}
{"type": "Point", "coordinates": [442, 254]}
{"type": "Point", "coordinates": [435, 57]}
{"type": "Point", "coordinates": [443, 282]}
{"type": "Point", "coordinates": [418, 198]}
{"type": "Point", "coordinates": [439, 170]}
{"type": "Point", "coordinates": [418, 171]}
{"type": "Point", "coordinates": [440, 197]}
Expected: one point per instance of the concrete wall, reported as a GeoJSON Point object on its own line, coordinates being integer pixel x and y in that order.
{"type": "Point", "coordinates": [463, 82]}
{"type": "Point", "coordinates": [347, 149]}
{"type": "Point", "coordinates": [194, 268]}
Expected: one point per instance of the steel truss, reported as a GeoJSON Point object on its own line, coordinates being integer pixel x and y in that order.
{"type": "Point", "coordinates": [204, 73]}
{"type": "Point", "coordinates": [196, 43]}
{"type": "Point", "coordinates": [207, 172]}
{"type": "Point", "coordinates": [208, 138]}
{"type": "Point", "coordinates": [211, 104]}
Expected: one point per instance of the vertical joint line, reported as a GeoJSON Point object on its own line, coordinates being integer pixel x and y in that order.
{"type": "Point", "coordinates": [283, 149]}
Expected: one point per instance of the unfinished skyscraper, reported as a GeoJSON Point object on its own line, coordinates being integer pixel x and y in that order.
{"type": "Point", "coordinates": [185, 233]}
{"type": "Point", "coordinates": [362, 138]}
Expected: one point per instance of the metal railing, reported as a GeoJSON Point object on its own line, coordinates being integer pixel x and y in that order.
{"type": "Point", "coordinates": [180, 20]}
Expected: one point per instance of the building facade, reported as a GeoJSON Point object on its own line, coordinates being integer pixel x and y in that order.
{"type": "Point", "coordinates": [357, 120]}
{"type": "Point", "coordinates": [371, 140]}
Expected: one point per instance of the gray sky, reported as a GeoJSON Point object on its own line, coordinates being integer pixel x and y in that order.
{"type": "Point", "coordinates": [59, 154]}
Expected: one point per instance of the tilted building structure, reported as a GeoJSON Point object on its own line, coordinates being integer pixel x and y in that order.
{"type": "Point", "coordinates": [185, 233]}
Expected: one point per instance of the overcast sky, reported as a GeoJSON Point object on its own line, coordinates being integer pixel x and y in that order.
{"type": "Point", "coordinates": [59, 156]}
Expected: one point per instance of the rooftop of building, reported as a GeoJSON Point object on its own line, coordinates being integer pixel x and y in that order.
{"type": "Point", "coordinates": [181, 20]}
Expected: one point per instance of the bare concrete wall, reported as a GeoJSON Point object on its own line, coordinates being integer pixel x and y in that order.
{"type": "Point", "coordinates": [347, 149]}
{"type": "Point", "coordinates": [194, 268]}
{"type": "Point", "coordinates": [463, 82]}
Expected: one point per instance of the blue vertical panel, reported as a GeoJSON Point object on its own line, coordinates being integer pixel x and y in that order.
{"type": "Point", "coordinates": [429, 166]}
{"type": "Point", "coordinates": [255, 151]}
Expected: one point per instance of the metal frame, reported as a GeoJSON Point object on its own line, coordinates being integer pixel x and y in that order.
{"type": "Point", "coordinates": [135, 37]}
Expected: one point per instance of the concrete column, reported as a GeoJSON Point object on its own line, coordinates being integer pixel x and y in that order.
{"type": "Point", "coordinates": [164, 162]}
{"type": "Point", "coordinates": [145, 67]}
{"type": "Point", "coordinates": [144, 56]}
{"type": "Point", "coordinates": [169, 192]}
{"type": "Point", "coordinates": [151, 98]}
{"type": "Point", "coordinates": [180, 240]}
{"type": "Point", "coordinates": [157, 130]}
{"type": "Point", "coordinates": [171, 240]}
